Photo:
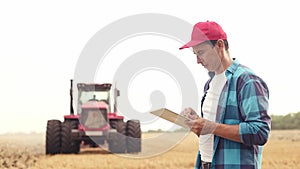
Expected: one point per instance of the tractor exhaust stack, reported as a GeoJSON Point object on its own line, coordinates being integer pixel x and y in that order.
{"type": "Point", "coordinates": [71, 98]}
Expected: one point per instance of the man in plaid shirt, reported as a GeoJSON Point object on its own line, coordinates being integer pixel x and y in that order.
{"type": "Point", "coordinates": [235, 123]}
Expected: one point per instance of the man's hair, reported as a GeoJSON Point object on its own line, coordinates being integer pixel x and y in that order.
{"type": "Point", "coordinates": [214, 42]}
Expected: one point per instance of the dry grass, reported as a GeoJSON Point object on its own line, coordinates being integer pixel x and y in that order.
{"type": "Point", "coordinates": [283, 150]}
{"type": "Point", "coordinates": [27, 151]}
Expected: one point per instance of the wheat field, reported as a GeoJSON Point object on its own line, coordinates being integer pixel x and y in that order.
{"type": "Point", "coordinates": [22, 151]}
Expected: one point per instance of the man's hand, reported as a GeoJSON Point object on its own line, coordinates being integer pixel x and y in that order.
{"type": "Point", "coordinates": [202, 126]}
{"type": "Point", "coordinates": [198, 125]}
{"type": "Point", "coordinates": [189, 113]}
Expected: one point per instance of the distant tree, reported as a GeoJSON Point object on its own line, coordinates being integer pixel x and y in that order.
{"type": "Point", "coordinates": [155, 131]}
{"type": "Point", "coordinates": [289, 121]}
{"type": "Point", "coordinates": [182, 130]}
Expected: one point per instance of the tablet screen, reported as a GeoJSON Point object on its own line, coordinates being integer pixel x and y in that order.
{"type": "Point", "coordinates": [171, 116]}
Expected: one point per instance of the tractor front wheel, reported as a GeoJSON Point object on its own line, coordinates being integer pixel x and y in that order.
{"type": "Point", "coordinates": [53, 137]}
{"type": "Point", "coordinates": [117, 140]}
{"type": "Point", "coordinates": [69, 145]}
{"type": "Point", "coordinates": [133, 136]}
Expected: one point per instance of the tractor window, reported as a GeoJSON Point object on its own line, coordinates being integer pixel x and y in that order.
{"type": "Point", "coordinates": [93, 95]}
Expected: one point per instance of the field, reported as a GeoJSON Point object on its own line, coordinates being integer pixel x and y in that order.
{"type": "Point", "coordinates": [27, 151]}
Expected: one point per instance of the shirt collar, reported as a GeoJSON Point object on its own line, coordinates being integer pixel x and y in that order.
{"type": "Point", "coordinates": [230, 70]}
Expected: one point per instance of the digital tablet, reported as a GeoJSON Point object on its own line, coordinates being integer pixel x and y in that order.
{"type": "Point", "coordinates": [171, 116]}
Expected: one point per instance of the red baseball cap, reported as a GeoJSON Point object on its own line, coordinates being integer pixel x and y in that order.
{"type": "Point", "coordinates": [204, 31]}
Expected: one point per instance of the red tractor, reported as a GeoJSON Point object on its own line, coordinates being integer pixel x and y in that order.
{"type": "Point", "coordinates": [95, 124]}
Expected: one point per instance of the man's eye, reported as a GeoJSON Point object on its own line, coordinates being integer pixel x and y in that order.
{"type": "Point", "coordinates": [200, 52]}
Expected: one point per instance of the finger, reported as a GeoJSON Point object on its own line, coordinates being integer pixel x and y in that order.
{"type": "Point", "coordinates": [190, 123]}
{"type": "Point", "coordinates": [196, 131]}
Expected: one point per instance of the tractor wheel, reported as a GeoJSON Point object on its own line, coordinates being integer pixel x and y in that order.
{"type": "Point", "coordinates": [53, 137]}
{"type": "Point", "coordinates": [76, 146]}
{"type": "Point", "coordinates": [133, 130]}
{"type": "Point", "coordinates": [117, 140]}
{"type": "Point", "coordinates": [113, 123]}
{"type": "Point", "coordinates": [68, 144]}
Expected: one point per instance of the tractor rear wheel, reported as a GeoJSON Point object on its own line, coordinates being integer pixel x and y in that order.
{"type": "Point", "coordinates": [117, 140]}
{"type": "Point", "coordinates": [133, 130]}
{"type": "Point", "coordinates": [114, 122]}
{"type": "Point", "coordinates": [53, 137]}
{"type": "Point", "coordinates": [68, 144]}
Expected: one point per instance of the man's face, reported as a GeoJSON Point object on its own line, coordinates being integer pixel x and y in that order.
{"type": "Point", "coordinates": [207, 56]}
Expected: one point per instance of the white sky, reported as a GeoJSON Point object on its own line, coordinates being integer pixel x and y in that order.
{"type": "Point", "coordinates": [40, 42]}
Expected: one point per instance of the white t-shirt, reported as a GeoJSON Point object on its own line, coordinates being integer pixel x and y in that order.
{"type": "Point", "coordinates": [209, 108]}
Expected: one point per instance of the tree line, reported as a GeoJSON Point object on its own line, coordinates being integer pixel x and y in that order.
{"type": "Point", "coordinates": [284, 122]}
{"type": "Point", "coordinates": [279, 122]}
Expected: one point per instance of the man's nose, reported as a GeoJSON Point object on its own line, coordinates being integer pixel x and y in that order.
{"type": "Point", "coordinates": [199, 60]}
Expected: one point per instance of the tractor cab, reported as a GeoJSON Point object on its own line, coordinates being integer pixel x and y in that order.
{"type": "Point", "coordinates": [93, 106]}
{"type": "Point", "coordinates": [92, 94]}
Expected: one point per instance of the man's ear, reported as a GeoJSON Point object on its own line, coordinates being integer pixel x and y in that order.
{"type": "Point", "coordinates": [220, 43]}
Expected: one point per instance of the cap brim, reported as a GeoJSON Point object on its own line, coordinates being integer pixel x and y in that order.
{"type": "Point", "coordinates": [190, 44]}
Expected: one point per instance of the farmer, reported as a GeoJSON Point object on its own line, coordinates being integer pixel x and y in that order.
{"type": "Point", "coordinates": [233, 124]}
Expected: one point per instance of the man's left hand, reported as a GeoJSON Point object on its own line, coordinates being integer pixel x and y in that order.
{"type": "Point", "coordinates": [202, 126]}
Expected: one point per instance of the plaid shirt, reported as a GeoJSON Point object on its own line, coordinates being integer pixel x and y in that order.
{"type": "Point", "coordinates": [243, 101]}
